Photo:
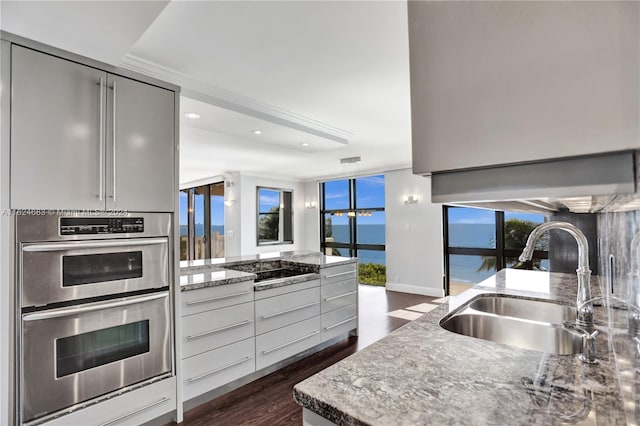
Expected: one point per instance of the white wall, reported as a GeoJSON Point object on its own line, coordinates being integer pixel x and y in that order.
{"type": "Point", "coordinates": [312, 217]}
{"type": "Point", "coordinates": [232, 216]}
{"type": "Point", "coordinates": [245, 210]}
{"type": "Point", "coordinates": [414, 243]}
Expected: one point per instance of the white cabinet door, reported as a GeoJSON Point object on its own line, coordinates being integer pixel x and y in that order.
{"type": "Point", "coordinates": [508, 82]}
{"type": "Point", "coordinates": [140, 146]}
{"type": "Point", "coordinates": [57, 115]}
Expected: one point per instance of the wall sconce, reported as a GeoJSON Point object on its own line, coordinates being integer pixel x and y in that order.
{"type": "Point", "coordinates": [310, 204]}
{"type": "Point", "coordinates": [411, 199]}
{"type": "Point", "coordinates": [229, 203]}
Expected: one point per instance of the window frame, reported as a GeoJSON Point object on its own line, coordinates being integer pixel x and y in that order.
{"type": "Point", "coordinates": [352, 246]}
{"type": "Point", "coordinates": [285, 225]}
{"type": "Point", "coordinates": [191, 225]}
{"type": "Point", "coordinates": [500, 253]}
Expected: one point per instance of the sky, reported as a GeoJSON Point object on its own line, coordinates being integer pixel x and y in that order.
{"type": "Point", "coordinates": [369, 194]}
{"type": "Point", "coordinates": [482, 216]}
{"type": "Point", "coordinates": [217, 209]}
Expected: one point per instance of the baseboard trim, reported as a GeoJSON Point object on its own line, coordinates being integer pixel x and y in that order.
{"type": "Point", "coordinates": [414, 289]}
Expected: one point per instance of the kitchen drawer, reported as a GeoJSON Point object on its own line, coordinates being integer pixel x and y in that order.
{"type": "Point", "coordinates": [339, 273]}
{"type": "Point", "coordinates": [205, 299]}
{"type": "Point", "coordinates": [338, 294]}
{"type": "Point", "coordinates": [263, 294]}
{"type": "Point", "coordinates": [212, 369]}
{"type": "Point", "coordinates": [339, 321]}
{"type": "Point", "coordinates": [130, 408]}
{"type": "Point", "coordinates": [279, 311]}
{"type": "Point", "coordinates": [287, 341]}
{"type": "Point", "coordinates": [219, 327]}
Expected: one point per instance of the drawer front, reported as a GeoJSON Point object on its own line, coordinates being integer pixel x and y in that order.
{"type": "Point", "coordinates": [339, 321]}
{"type": "Point", "coordinates": [339, 273]}
{"type": "Point", "coordinates": [284, 342]}
{"type": "Point", "coordinates": [279, 311]}
{"type": "Point", "coordinates": [264, 294]}
{"type": "Point", "coordinates": [338, 295]}
{"type": "Point", "coordinates": [205, 299]}
{"type": "Point", "coordinates": [210, 370]}
{"type": "Point", "coordinates": [130, 408]}
{"type": "Point", "coordinates": [219, 327]}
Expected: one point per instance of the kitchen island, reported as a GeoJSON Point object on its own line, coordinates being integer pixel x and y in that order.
{"type": "Point", "coordinates": [241, 318]}
{"type": "Point", "coordinates": [424, 374]}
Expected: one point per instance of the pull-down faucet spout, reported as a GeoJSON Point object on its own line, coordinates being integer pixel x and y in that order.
{"type": "Point", "coordinates": [584, 304]}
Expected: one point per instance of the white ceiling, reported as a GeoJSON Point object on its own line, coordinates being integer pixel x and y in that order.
{"type": "Point", "coordinates": [332, 74]}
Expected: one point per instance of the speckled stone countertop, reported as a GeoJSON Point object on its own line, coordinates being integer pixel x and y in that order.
{"type": "Point", "coordinates": [422, 374]}
{"type": "Point", "coordinates": [309, 258]}
{"type": "Point", "coordinates": [212, 278]}
{"type": "Point", "coordinates": [202, 273]}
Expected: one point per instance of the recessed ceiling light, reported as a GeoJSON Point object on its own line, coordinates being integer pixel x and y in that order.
{"type": "Point", "coordinates": [193, 115]}
{"type": "Point", "coordinates": [304, 144]}
{"type": "Point", "coordinates": [256, 132]}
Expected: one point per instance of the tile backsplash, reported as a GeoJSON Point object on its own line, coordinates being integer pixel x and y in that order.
{"type": "Point", "coordinates": [615, 233]}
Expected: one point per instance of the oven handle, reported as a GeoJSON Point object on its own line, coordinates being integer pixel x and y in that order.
{"type": "Point", "coordinates": [73, 310]}
{"type": "Point", "coordinates": [72, 245]}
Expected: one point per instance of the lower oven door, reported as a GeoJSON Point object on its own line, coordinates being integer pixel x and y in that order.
{"type": "Point", "coordinates": [71, 355]}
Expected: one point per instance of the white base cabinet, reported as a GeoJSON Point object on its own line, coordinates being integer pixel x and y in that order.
{"type": "Point", "coordinates": [212, 369]}
{"type": "Point", "coordinates": [130, 408]}
{"type": "Point", "coordinates": [230, 331]}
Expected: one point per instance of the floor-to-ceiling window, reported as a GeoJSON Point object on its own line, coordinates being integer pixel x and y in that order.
{"type": "Point", "coordinates": [352, 211]}
{"type": "Point", "coordinates": [479, 242]}
{"type": "Point", "coordinates": [202, 221]}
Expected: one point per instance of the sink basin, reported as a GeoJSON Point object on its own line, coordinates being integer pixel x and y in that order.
{"type": "Point", "coordinates": [534, 310]}
{"type": "Point", "coordinates": [527, 324]}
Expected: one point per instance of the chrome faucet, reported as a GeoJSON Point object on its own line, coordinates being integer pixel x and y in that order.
{"type": "Point", "coordinates": [584, 302]}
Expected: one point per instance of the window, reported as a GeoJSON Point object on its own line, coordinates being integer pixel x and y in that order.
{"type": "Point", "coordinates": [352, 211]}
{"type": "Point", "coordinates": [202, 222]}
{"type": "Point", "coordinates": [480, 242]}
{"type": "Point", "coordinates": [275, 216]}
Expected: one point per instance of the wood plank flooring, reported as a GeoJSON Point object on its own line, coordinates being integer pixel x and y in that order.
{"type": "Point", "coordinates": [268, 401]}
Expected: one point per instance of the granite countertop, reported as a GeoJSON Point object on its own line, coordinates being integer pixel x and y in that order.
{"type": "Point", "coordinates": [202, 273]}
{"type": "Point", "coordinates": [212, 278]}
{"type": "Point", "coordinates": [423, 374]}
{"type": "Point", "coordinates": [304, 257]}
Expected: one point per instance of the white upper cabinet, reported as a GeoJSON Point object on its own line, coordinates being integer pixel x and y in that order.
{"type": "Point", "coordinates": [140, 146]}
{"type": "Point", "coordinates": [508, 82]}
{"type": "Point", "coordinates": [82, 138]}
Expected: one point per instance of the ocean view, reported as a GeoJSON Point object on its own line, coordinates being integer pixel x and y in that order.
{"type": "Point", "coordinates": [463, 269]}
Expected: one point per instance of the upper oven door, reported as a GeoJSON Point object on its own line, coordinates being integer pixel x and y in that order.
{"type": "Point", "coordinates": [68, 271]}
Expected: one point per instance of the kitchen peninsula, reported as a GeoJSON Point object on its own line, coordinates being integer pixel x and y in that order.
{"type": "Point", "coordinates": [424, 374]}
{"type": "Point", "coordinates": [244, 317]}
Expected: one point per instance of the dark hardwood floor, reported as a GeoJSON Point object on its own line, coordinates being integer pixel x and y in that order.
{"type": "Point", "coordinates": [268, 401]}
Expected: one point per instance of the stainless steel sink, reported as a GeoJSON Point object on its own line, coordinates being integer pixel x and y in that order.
{"type": "Point", "coordinates": [534, 310]}
{"type": "Point", "coordinates": [527, 324]}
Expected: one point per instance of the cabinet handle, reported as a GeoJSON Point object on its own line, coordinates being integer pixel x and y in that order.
{"type": "Point", "coordinates": [92, 307]}
{"type": "Point", "coordinates": [339, 275]}
{"type": "Point", "coordinates": [80, 245]}
{"type": "Point", "coordinates": [289, 343]}
{"type": "Point", "coordinates": [113, 137]}
{"type": "Point", "coordinates": [217, 330]}
{"type": "Point", "coordinates": [140, 410]}
{"type": "Point", "coordinates": [264, 317]}
{"type": "Point", "coordinates": [101, 143]}
{"type": "Point", "coordinates": [212, 299]}
{"type": "Point", "coordinates": [209, 373]}
{"type": "Point", "coordinates": [340, 323]}
{"type": "Point", "coordinates": [327, 299]}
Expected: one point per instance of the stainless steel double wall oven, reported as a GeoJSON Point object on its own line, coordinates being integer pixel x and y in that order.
{"type": "Point", "coordinates": [95, 308]}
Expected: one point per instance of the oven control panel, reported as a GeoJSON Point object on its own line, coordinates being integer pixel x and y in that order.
{"type": "Point", "coordinates": [101, 225]}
